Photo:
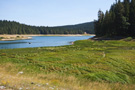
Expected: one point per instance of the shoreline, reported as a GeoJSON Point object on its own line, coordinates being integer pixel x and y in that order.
{"type": "Point", "coordinates": [9, 37]}
{"type": "Point", "coordinates": [14, 37]}
{"type": "Point", "coordinates": [112, 38]}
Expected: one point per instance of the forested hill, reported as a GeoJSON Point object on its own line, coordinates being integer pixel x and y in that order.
{"type": "Point", "coordinates": [88, 27]}
{"type": "Point", "coordinates": [12, 27]}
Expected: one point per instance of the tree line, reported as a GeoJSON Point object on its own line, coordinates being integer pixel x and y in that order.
{"type": "Point", "coordinates": [118, 21]}
{"type": "Point", "coordinates": [12, 27]}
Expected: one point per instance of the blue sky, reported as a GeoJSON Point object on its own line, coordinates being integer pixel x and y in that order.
{"type": "Point", "coordinates": [52, 12]}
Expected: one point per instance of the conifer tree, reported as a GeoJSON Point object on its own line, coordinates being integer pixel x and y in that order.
{"type": "Point", "coordinates": [118, 21]}
{"type": "Point", "coordinates": [98, 24]}
{"type": "Point", "coordinates": [132, 18]}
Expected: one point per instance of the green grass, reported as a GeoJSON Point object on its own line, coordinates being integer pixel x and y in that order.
{"type": "Point", "coordinates": [101, 61]}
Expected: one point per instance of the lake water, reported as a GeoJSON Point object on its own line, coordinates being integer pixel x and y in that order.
{"type": "Point", "coordinates": [41, 41]}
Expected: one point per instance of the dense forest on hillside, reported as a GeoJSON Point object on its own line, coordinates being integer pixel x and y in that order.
{"type": "Point", "coordinates": [12, 27]}
{"type": "Point", "coordinates": [118, 21]}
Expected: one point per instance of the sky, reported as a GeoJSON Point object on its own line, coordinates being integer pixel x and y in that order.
{"type": "Point", "coordinates": [52, 12]}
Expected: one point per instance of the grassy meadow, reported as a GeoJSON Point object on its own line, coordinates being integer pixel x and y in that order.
{"type": "Point", "coordinates": [85, 65]}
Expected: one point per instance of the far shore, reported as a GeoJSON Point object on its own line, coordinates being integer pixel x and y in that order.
{"type": "Point", "coordinates": [8, 37]}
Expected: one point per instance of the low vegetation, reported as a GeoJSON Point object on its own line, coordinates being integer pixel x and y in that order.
{"type": "Point", "coordinates": [88, 64]}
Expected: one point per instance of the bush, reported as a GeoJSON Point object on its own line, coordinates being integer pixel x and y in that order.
{"type": "Point", "coordinates": [1, 37]}
{"type": "Point", "coordinates": [128, 39]}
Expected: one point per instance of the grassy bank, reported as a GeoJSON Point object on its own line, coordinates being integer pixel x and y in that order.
{"type": "Point", "coordinates": [9, 37]}
{"type": "Point", "coordinates": [88, 64]}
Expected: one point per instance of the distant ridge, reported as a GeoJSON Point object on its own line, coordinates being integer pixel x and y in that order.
{"type": "Point", "coordinates": [13, 27]}
{"type": "Point", "coordinates": [88, 27]}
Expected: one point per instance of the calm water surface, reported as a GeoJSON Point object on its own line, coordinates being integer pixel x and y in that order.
{"type": "Point", "coordinates": [41, 41]}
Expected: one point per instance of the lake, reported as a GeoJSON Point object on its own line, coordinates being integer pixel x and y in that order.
{"type": "Point", "coordinates": [41, 41]}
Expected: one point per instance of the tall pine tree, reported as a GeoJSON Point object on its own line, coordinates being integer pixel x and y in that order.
{"type": "Point", "coordinates": [98, 24]}
{"type": "Point", "coordinates": [118, 21]}
{"type": "Point", "coordinates": [132, 18]}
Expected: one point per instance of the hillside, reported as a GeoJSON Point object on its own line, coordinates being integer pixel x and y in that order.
{"type": "Point", "coordinates": [12, 27]}
{"type": "Point", "coordinates": [88, 27]}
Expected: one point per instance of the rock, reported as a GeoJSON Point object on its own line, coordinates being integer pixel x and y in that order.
{"type": "Point", "coordinates": [2, 87]}
{"type": "Point", "coordinates": [20, 88]}
{"type": "Point", "coordinates": [20, 72]}
{"type": "Point", "coordinates": [47, 83]}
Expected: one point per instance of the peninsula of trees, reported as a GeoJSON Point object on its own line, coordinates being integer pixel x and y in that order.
{"type": "Point", "coordinates": [118, 21]}
{"type": "Point", "coordinates": [12, 27]}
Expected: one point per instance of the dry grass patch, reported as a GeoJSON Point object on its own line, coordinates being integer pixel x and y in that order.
{"type": "Point", "coordinates": [54, 81]}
